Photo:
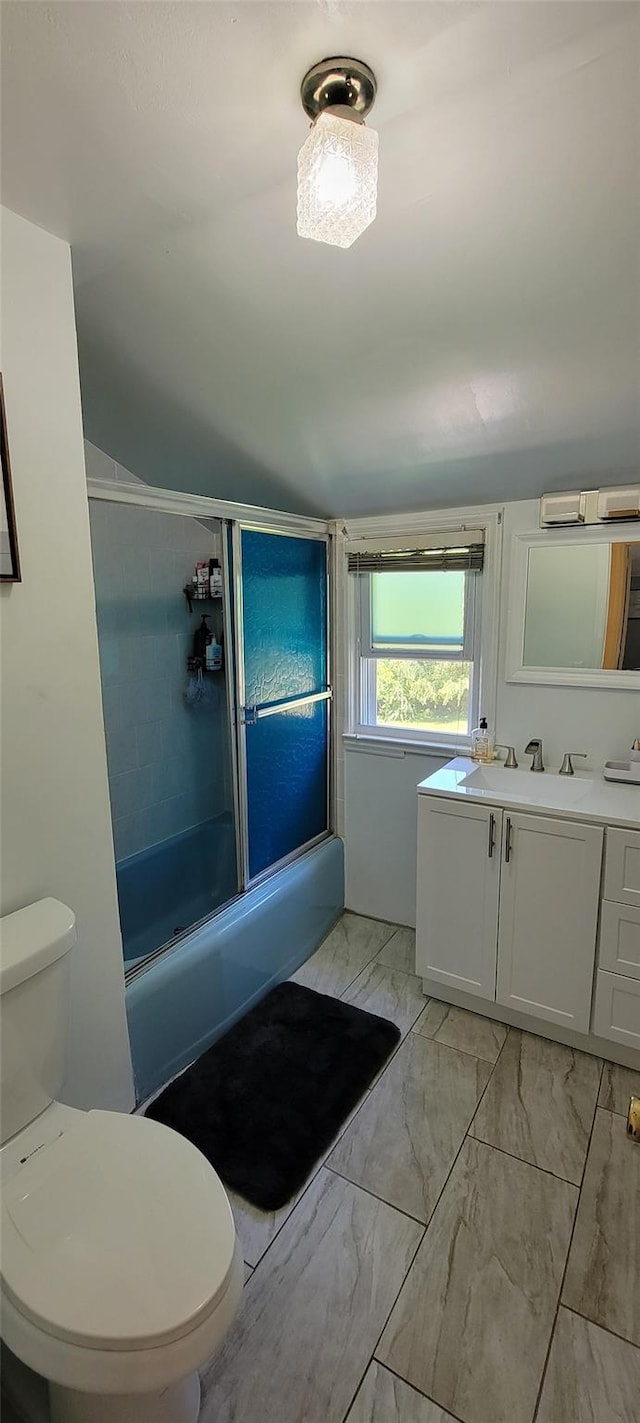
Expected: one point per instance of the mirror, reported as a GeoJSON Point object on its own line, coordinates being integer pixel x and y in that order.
{"type": "Point", "coordinates": [582, 606]}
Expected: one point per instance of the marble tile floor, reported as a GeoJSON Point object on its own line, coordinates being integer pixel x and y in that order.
{"type": "Point", "coordinates": [467, 1251]}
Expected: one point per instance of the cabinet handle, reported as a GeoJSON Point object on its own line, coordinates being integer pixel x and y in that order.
{"type": "Point", "coordinates": [492, 835]}
{"type": "Point", "coordinates": [507, 842]}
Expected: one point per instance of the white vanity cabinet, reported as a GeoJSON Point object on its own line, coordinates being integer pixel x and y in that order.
{"type": "Point", "coordinates": [528, 902]}
{"type": "Point", "coordinates": [507, 907]}
{"type": "Point", "coordinates": [548, 919]}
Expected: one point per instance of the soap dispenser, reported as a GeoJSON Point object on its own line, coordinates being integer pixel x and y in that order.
{"type": "Point", "coordinates": [481, 742]}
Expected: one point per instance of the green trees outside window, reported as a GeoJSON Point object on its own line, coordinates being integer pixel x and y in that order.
{"type": "Point", "coordinates": [422, 693]}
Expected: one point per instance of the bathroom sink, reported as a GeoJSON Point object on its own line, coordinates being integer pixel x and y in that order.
{"type": "Point", "coordinates": [540, 788]}
{"type": "Point", "coordinates": [577, 797]}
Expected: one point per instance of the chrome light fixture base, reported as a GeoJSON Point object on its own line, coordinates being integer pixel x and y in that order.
{"type": "Point", "coordinates": [339, 83]}
{"type": "Point", "coordinates": [338, 162]}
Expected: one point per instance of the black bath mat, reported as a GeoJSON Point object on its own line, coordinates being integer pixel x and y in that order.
{"type": "Point", "coordinates": [268, 1098]}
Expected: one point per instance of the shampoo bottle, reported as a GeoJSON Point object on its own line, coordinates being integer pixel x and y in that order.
{"type": "Point", "coordinates": [214, 656]}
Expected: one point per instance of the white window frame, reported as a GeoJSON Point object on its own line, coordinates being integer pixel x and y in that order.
{"type": "Point", "coordinates": [482, 627]}
{"type": "Point", "coordinates": [370, 656]}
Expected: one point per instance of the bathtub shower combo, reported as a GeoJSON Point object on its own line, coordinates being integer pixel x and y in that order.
{"type": "Point", "coordinates": [217, 719]}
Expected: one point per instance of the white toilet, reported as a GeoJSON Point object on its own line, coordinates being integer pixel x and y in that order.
{"type": "Point", "coordinates": [120, 1272]}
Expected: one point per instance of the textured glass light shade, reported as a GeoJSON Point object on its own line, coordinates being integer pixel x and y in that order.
{"type": "Point", "coordinates": [337, 180]}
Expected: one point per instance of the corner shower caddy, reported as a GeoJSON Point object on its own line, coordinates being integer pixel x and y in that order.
{"type": "Point", "coordinates": [193, 595]}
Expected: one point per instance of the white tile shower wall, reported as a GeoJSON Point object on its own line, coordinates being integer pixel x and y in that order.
{"type": "Point", "coordinates": [167, 761]}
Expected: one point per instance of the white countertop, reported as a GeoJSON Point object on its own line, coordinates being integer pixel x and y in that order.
{"type": "Point", "coordinates": [579, 797]}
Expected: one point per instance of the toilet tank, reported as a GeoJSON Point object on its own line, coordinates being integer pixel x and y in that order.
{"type": "Point", "coordinates": [34, 1010]}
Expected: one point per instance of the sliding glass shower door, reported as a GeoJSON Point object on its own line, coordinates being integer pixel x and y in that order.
{"type": "Point", "coordinates": [168, 723]}
{"type": "Point", "coordinates": [283, 694]}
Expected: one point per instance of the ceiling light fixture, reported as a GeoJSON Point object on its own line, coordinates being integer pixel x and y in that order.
{"type": "Point", "coordinates": [338, 162]}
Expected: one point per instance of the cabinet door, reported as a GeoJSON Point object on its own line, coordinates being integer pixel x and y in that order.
{"type": "Point", "coordinates": [549, 894]}
{"type": "Point", "coordinates": [458, 886]}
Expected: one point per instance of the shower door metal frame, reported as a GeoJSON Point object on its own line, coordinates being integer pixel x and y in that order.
{"type": "Point", "coordinates": [248, 882]}
{"type": "Point", "coordinates": [230, 611]}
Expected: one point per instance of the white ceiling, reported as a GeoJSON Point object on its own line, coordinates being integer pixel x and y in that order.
{"type": "Point", "coordinates": [481, 340]}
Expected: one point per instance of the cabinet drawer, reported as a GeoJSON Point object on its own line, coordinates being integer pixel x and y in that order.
{"type": "Point", "coordinates": [620, 938]}
{"type": "Point", "coordinates": [616, 1009]}
{"type": "Point", "coordinates": [622, 872]}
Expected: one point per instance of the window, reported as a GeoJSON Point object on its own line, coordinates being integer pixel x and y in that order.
{"type": "Point", "coordinates": [417, 642]}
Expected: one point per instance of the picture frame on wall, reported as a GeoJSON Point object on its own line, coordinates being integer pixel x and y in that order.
{"type": "Point", "coordinates": [9, 559]}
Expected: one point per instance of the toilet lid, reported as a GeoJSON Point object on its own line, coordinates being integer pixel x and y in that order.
{"type": "Point", "coordinates": [117, 1236]}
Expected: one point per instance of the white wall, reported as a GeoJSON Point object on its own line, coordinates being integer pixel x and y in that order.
{"type": "Point", "coordinates": [379, 790]}
{"type": "Point", "coordinates": [381, 830]}
{"type": "Point", "coordinates": [54, 808]}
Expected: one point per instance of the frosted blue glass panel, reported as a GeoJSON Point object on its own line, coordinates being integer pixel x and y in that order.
{"type": "Point", "coordinates": [287, 783]}
{"type": "Point", "coordinates": [284, 626]}
{"type": "Point", "coordinates": [284, 595]}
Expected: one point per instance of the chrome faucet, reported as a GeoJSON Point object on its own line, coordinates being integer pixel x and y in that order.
{"type": "Point", "coordinates": [534, 748]}
{"type": "Point", "coordinates": [566, 768]}
{"type": "Point", "coordinates": [510, 762]}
